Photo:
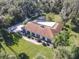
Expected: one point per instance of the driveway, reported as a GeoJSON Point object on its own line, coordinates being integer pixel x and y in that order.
{"type": "Point", "coordinates": [18, 28]}
{"type": "Point", "coordinates": [15, 28]}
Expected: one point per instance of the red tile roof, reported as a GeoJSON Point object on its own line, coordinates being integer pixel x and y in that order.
{"type": "Point", "coordinates": [45, 31]}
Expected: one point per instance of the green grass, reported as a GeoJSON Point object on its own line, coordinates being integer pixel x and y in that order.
{"type": "Point", "coordinates": [29, 49]}
{"type": "Point", "coordinates": [53, 17]}
{"type": "Point", "coordinates": [75, 35]}
{"type": "Point", "coordinates": [75, 38]}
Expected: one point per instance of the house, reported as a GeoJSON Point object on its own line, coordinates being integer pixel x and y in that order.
{"type": "Point", "coordinates": [43, 30]}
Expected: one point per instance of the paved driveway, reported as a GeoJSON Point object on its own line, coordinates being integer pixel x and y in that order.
{"type": "Point", "coordinates": [15, 28]}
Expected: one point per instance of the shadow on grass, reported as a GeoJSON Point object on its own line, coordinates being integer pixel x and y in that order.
{"type": "Point", "coordinates": [19, 56]}
{"type": "Point", "coordinates": [10, 38]}
{"type": "Point", "coordinates": [76, 26]}
{"type": "Point", "coordinates": [8, 41]}
{"type": "Point", "coordinates": [23, 56]}
{"type": "Point", "coordinates": [13, 51]}
{"type": "Point", "coordinates": [76, 53]}
{"type": "Point", "coordinates": [76, 29]}
{"type": "Point", "coordinates": [3, 48]}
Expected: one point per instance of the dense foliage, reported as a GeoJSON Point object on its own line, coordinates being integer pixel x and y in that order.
{"type": "Point", "coordinates": [62, 39]}
{"type": "Point", "coordinates": [16, 11]}
{"type": "Point", "coordinates": [21, 9]}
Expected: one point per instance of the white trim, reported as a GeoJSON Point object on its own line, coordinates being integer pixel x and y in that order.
{"type": "Point", "coordinates": [50, 24]}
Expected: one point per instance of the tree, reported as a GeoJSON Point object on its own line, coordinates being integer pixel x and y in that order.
{"type": "Point", "coordinates": [40, 57]}
{"type": "Point", "coordinates": [75, 52]}
{"type": "Point", "coordinates": [70, 10]}
{"type": "Point", "coordinates": [61, 53]}
{"type": "Point", "coordinates": [62, 39]}
{"type": "Point", "coordinates": [7, 20]}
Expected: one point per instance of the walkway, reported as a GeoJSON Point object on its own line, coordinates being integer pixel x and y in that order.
{"type": "Point", "coordinates": [34, 42]}
{"type": "Point", "coordinates": [31, 40]}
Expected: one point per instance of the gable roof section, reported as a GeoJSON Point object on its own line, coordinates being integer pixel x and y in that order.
{"type": "Point", "coordinates": [40, 29]}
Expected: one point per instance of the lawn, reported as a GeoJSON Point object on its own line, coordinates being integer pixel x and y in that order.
{"type": "Point", "coordinates": [31, 50]}
{"type": "Point", "coordinates": [53, 17]}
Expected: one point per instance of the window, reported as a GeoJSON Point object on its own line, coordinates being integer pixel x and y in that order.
{"type": "Point", "coordinates": [33, 34]}
{"type": "Point", "coordinates": [37, 36]}
{"type": "Point", "coordinates": [48, 40]}
{"type": "Point", "coordinates": [43, 38]}
{"type": "Point", "coordinates": [28, 32]}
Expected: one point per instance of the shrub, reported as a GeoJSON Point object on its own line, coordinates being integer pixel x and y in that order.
{"type": "Point", "coordinates": [39, 56]}
{"type": "Point", "coordinates": [62, 39]}
{"type": "Point", "coordinates": [61, 53]}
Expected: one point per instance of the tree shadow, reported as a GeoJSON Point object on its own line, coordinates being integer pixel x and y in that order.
{"type": "Point", "coordinates": [76, 29]}
{"type": "Point", "coordinates": [76, 26]}
{"type": "Point", "coordinates": [12, 50]}
{"type": "Point", "coordinates": [23, 56]}
{"type": "Point", "coordinates": [7, 39]}
{"type": "Point", "coordinates": [10, 38]}
{"type": "Point", "coordinates": [76, 53]}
